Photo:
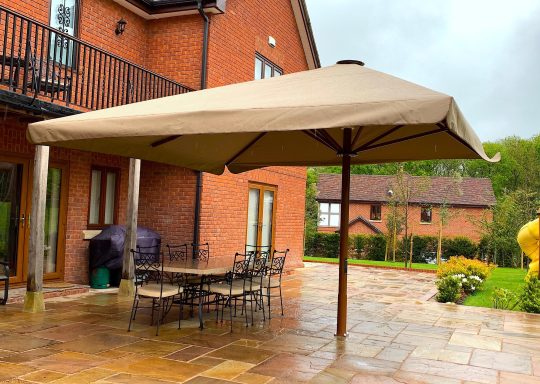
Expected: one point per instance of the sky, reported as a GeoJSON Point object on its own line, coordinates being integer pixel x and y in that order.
{"type": "Point", "coordinates": [486, 54]}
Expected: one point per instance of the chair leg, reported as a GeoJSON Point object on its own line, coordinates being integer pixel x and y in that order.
{"type": "Point", "coordinates": [133, 311]}
{"type": "Point", "coordinates": [230, 313]}
{"type": "Point", "coordinates": [245, 307]}
{"type": "Point", "coordinates": [251, 298]}
{"type": "Point", "coordinates": [281, 299]}
{"type": "Point", "coordinates": [269, 298]}
{"type": "Point", "coordinates": [181, 310]}
{"type": "Point", "coordinates": [160, 303]}
{"type": "Point", "coordinates": [262, 304]}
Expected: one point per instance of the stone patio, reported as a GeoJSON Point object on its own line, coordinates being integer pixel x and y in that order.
{"type": "Point", "coordinates": [396, 336]}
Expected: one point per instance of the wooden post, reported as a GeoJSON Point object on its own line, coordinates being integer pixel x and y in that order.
{"type": "Point", "coordinates": [394, 238]}
{"type": "Point", "coordinates": [386, 249]}
{"type": "Point", "coordinates": [522, 254]}
{"type": "Point", "coordinates": [127, 286]}
{"type": "Point", "coordinates": [411, 253]}
{"type": "Point", "coordinates": [439, 245]}
{"type": "Point", "coordinates": [344, 233]}
{"type": "Point", "coordinates": [33, 300]}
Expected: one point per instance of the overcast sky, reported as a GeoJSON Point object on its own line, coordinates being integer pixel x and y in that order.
{"type": "Point", "coordinates": [485, 53]}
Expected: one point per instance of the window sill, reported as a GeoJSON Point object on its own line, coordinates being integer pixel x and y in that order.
{"type": "Point", "coordinates": [424, 223]}
{"type": "Point", "coordinates": [375, 221]}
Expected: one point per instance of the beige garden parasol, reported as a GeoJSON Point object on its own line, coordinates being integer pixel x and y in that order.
{"type": "Point", "coordinates": [337, 115]}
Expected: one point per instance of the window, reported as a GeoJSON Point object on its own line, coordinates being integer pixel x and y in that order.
{"type": "Point", "coordinates": [264, 68]}
{"type": "Point", "coordinates": [329, 214]}
{"type": "Point", "coordinates": [425, 215]}
{"type": "Point", "coordinates": [103, 197]}
{"type": "Point", "coordinates": [375, 212]}
{"type": "Point", "coordinates": [63, 17]}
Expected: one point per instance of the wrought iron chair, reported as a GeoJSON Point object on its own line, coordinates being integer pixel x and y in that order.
{"type": "Point", "coordinates": [152, 283]}
{"type": "Point", "coordinates": [236, 286]}
{"type": "Point", "coordinates": [201, 252]}
{"type": "Point", "coordinates": [4, 276]}
{"type": "Point", "coordinates": [272, 278]}
{"type": "Point", "coordinates": [178, 252]}
{"type": "Point", "coordinates": [260, 250]}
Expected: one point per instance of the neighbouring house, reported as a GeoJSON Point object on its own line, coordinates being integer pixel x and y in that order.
{"type": "Point", "coordinates": [62, 57]}
{"type": "Point", "coordinates": [467, 201]}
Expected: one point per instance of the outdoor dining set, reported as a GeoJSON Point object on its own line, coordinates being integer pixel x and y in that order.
{"type": "Point", "coordinates": [186, 275]}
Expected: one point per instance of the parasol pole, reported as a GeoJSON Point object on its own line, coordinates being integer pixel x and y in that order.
{"type": "Point", "coordinates": [344, 233]}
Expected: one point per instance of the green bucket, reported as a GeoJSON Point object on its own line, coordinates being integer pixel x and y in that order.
{"type": "Point", "coordinates": [100, 278]}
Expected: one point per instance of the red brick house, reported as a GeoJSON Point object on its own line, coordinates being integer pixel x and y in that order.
{"type": "Point", "coordinates": [114, 52]}
{"type": "Point", "coordinates": [467, 200]}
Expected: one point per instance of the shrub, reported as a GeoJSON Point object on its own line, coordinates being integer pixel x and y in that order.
{"type": "Point", "coordinates": [530, 296]}
{"type": "Point", "coordinates": [459, 246]}
{"type": "Point", "coordinates": [503, 298]}
{"type": "Point", "coordinates": [467, 267]}
{"type": "Point", "coordinates": [359, 244]}
{"type": "Point", "coordinates": [424, 246]}
{"type": "Point", "coordinates": [449, 288]}
{"type": "Point", "coordinates": [375, 247]}
{"type": "Point", "coordinates": [323, 245]}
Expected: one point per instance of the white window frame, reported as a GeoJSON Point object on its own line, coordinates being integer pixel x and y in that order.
{"type": "Point", "coordinates": [330, 211]}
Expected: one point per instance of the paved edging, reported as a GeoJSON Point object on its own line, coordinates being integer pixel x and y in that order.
{"type": "Point", "coordinates": [376, 266]}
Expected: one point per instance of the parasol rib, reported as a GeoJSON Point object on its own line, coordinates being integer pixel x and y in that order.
{"type": "Point", "coordinates": [243, 150]}
{"type": "Point", "coordinates": [381, 136]}
{"type": "Point", "coordinates": [164, 141]}
{"type": "Point", "coordinates": [321, 140]}
{"type": "Point", "coordinates": [402, 139]}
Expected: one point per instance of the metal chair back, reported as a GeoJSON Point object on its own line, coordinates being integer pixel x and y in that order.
{"type": "Point", "coordinates": [178, 252]}
{"type": "Point", "coordinates": [277, 263]}
{"type": "Point", "coordinates": [263, 251]}
{"type": "Point", "coordinates": [148, 266]}
{"type": "Point", "coordinates": [201, 252]}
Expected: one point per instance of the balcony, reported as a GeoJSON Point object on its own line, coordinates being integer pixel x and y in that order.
{"type": "Point", "coordinates": [45, 64]}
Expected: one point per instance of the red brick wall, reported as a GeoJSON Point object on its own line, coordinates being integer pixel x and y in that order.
{"type": "Point", "coordinates": [243, 30]}
{"type": "Point", "coordinates": [167, 197]}
{"type": "Point", "coordinates": [463, 221]}
{"type": "Point", "coordinates": [224, 210]}
{"type": "Point", "coordinates": [174, 48]}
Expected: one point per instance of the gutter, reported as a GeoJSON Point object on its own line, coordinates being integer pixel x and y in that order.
{"type": "Point", "coordinates": [204, 69]}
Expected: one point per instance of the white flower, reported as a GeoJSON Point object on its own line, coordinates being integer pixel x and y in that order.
{"type": "Point", "coordinates": [464, 279]}
{"type": "Point", "coordinates": [472, 288]}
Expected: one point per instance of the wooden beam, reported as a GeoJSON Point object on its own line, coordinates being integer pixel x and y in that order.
{"type": "Point", "coordinates": [127, 286]}
{"type": "Point", "coordinates": [33, 300]}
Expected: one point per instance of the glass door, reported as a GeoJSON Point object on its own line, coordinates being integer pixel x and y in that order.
{"type": "Point", "coordinates": [261, 214]}
{"type": "Point", "coordinates": [13, 216]}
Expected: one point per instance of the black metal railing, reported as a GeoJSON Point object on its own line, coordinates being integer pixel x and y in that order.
{"type": "Point", "coordinates": [42, 62]}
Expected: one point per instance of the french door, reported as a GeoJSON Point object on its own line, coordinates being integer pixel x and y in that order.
{"type": "Point", "coordinates": [261, 217]}
{"type": "Point", "coordinates": [15, 197]}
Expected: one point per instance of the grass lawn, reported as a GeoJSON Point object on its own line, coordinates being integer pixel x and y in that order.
{"type": "Point", "coordinates": [509, 278]}
{"type": "Point", "coordinates": [397, 264]}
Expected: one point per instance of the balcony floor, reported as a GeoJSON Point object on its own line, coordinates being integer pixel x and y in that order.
{"type": "Point", "coordinates": [396, 336]}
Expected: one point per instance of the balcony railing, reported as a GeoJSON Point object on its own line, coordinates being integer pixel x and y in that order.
{"type": "Point", "coordinates": [41, 62]}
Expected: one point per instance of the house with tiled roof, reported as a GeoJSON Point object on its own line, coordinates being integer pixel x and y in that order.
{"type": "Point", "coordinates": [468, 200]}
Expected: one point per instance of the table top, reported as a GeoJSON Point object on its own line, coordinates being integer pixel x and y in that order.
{"type": "Point", "coordinates": [194, 267]}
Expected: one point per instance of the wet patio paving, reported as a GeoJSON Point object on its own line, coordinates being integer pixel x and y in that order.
{"type": "Point", "coordinates": [396, 336]}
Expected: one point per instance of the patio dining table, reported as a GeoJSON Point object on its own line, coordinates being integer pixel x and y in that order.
{"type": "Point", "coordinates": [214, 267]}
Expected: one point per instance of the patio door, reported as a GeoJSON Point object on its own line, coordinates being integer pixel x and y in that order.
{"type": "Point", "coordinates": [13, 214]}
{"type": "Point", "coordinates": [15, 198]}
{"type": "Point", "coordinates": [261, 217]}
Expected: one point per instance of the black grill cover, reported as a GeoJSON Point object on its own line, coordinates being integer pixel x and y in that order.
{"type": "Point", "coordinates": [107, 248]}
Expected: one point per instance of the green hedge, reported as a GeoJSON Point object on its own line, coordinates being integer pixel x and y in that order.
{"type": "Point", "coordinates": [373, 247]}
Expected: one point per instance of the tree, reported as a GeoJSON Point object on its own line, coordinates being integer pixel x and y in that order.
{"type": "Point", "coordinates": [445, 213]}
{"type": "Point", "coordinates": [312, 208]}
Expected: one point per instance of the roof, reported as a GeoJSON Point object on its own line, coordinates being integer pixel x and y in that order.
{"type": "Point", "coordinates": [306, 33]}
{"type": "Point", "coordinates": [425, 190]}
{"type": "Point", "coordinates": [156, 9]}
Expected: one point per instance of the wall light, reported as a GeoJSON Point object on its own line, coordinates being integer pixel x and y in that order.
{"type": "Point", "coordinates": [120, 26]}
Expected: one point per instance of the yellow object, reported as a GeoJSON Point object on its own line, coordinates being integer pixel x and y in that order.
{"type": "Point", "coordinates": [527, 238]}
